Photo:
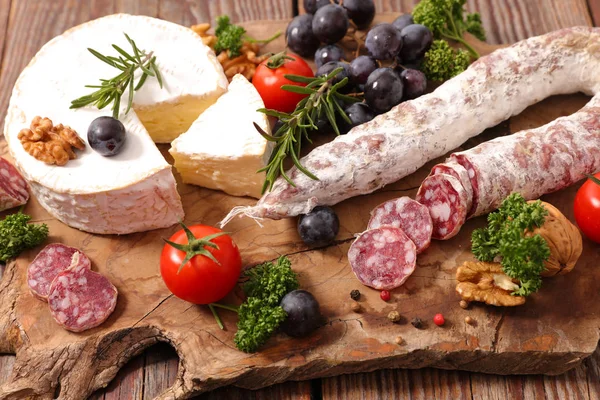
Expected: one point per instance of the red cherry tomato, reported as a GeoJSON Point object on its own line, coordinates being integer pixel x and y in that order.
{"type": "Point", "coordinates": [385, 295]}
{"type": "Point", "coordinates": [439, 320]}
{"type": "Point", "coordinates": [269, 77]}
{"type": "Point", "coordinates": [587, 209]}
{"type": "Point", "coordinates": [200, 280]}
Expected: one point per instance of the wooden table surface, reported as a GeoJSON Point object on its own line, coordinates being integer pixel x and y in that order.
{"type": "Point", "coordinates": [25, 25]}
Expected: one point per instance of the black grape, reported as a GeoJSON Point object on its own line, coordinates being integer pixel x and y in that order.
{"type": "Point", "coordinates": [329, 52]}
{"type": "Point", "coordinates": [383, 42]}
{"type": "Point", "coordinates": [415, 83]}
{"type": "Point", "coordinates": [361, 12]}
{"type": "Point", "coordinates": [311, 6]}
{"type": "Point", "coordinates": [359, 113]}
{"type": "Point", "coordinates": [300, 37]}
{"type": "Point", "coordinates": [403, 21]}
{"type": "Point", "coordinates": [384, 90]}
{"type": "Point", "coordinates": [360, 69]}
{"type": "Point", "coordinates": [416, 40]}
{"type": "Point", "coordinates": [330, 23]}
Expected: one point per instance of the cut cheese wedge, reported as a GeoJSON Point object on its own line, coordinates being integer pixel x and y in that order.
{"type": "Point", "coordinates": [134, 190]}
{"type": "Point", "coordinates": [223, 150]}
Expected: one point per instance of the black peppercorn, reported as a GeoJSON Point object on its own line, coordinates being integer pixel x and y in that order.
{"type": "Point", "coordinates": [355, 294]}
{"type": "Point", "coordinates": [417, 323]}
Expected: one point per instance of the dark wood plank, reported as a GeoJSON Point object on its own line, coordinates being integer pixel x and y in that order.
{"type": "Point", "coordinates": [594, 7]}
{"type": "Point", "coordinates": [193, 12]}
{"type": "Point", "coordinates": [508, 21]}
{"type": "Point", "coordinates": [4, 11]}
{"type": "Point", "coordinates": [422, 384]}
{"type": "Point", "coordinates": [146, 7]}
{"type": "Point", "coordinates": [593, 375]}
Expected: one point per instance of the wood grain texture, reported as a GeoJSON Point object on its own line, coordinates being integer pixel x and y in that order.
{"type": "Point", "coordinates": [594, 8]}
{"type": "Point", "coordinates": [424, 384]}
{"type": "Point", "coordinates": [189, 12]}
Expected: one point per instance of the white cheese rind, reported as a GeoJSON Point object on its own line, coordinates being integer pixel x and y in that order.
{"type": "Point", "coordinates": [134, 190]}
{"type": "Point", "coordinates": [222, 149]}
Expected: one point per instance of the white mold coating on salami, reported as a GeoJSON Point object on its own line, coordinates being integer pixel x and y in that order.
{"type": "Point", "coordinates": [459, 172]}
{"type": "Point", "coordinates": [383, 258]}
{"type": "Point", "coordinates": [13, 188]}
{"type": "Point", "coordinates": [80, 298]}
{"type": "Point", "coordinates": [50, 261]}
{"type": "Point", "coordinates": [537, 161]}
{"type": "Point", "coordinates": [446, 199]}
{"type": "Point", "coordinates": [397, 143]}
{"type": "Point", "coordinates": [407, 214]}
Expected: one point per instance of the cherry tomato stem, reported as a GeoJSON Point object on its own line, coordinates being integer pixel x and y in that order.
{"type": "Point", "coordinates": [200, 264]}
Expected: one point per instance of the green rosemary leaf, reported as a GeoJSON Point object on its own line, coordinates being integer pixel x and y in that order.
{"type": "Point", "coordinates": [298, 89]}
{"type": "Point", "coordinates": [131, 91]}
{"type": "Point", "coordinates": [322, 101]}
{"type": "Point", "coordinates": [123, 53]}
{"type": "Point", "coordinates": [110, 90]}
{"type": "Point", "coordinates": [299, 78]}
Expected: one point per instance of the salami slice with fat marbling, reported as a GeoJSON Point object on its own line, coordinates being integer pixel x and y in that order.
{"type": "Point", "coordinates": [13, 188]}
{"type": "Point", "coordinates": [52, 260]}
{"type": "Point", "coordinates": [458, 171]}
{"type": "Point", "coordinates": [383, 258]}
{"type": "Point", "coordinates": [80, 298]}
{"type": "Point", "coordinates": [407, 214]}
{"type": "Point", "coordinates": [446, 199]}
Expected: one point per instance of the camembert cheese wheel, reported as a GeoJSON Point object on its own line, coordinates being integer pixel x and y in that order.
{"type": "Point", "coordinates": [134, 190]}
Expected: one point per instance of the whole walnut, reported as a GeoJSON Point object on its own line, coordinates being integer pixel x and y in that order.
{"type": "Point", "coordinates": [564, 241]}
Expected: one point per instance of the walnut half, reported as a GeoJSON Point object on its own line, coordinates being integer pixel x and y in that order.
{"type": "Point", "coordinates": [50, 144]}
{"type": "Point", "coordinates": [487, 283]}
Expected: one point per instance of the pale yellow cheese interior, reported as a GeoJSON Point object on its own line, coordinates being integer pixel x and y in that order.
{"type": "Point", "coordinates": [234, 176]}
{"type": "Point", "coordinates": [165, 122]}
{"type": "Point", "coordinates": [222, 150]}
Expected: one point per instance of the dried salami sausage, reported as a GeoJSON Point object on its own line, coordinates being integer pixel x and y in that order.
{"type": "Point", "coordinates": [446, 199]}
{"type": "Point", "coordinates": [383, 258]}
{"type": "Point", "coordinates": [537, 161]}
{"type": "Point", "coordinates": [397, 143]}
{"type": "Point", "coordinates": [80, 298]}
{"type": "Point", "coordinates": [407, 214]}
{"type": "Point", "coordinates": [13, 188]}
{"type": "Point", "coordinates": [458, 171]}
{"type": "Point", "coordinates": [52, 260]}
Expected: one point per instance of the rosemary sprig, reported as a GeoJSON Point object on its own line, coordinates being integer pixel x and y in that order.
{"type": "Point", "coordinates": [323, 100]}
{"type": "Point", "coordinates": [110, 90]}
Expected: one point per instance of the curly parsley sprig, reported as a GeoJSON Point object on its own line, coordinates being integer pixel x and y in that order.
{"type": "Point", "coordinates": [505, 239]}
{"type": "Point", "coordinates": [231, 37]}
{"type": "Point", "coordinates": [260, 315]}
{"type": "Point", "coordinates": [446, 20]}
{"type": "Point", "coordinates": [323, 100]}
{"type": "Point", "coordinates": [17, 235]}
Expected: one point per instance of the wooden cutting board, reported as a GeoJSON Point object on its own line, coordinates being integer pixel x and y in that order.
{"type": "Point", "coordinates": [553, 332]}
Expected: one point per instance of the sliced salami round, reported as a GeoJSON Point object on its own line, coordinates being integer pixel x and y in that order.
{"type": "Point", "coordinates": [383, 258]}
{"type": "Point", "coordinates": [446, 199]}
{"type": "Point", "coordinates": [458, 171]}
{"type": "Point", "coordinates": [80, 298]}
{"type": "Point", "coordinates": [407, 214]}
{"type": "Point", "coordinates": [52, 260]}
{"type": "Point", "coordinates": [473, 178]}
{"type": "Point", "coordinates": [13, 188]}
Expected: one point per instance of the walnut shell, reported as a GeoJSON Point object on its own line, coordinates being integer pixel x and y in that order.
{"type": "Point", "coordinates": [564, 240]}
